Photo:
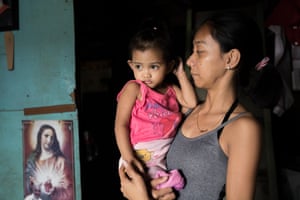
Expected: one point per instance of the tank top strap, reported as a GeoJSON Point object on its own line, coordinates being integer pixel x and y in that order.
{"type": "Point", "coordinates": [227, 115]}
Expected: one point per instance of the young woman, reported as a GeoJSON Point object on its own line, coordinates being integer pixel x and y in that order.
{"type": "Point", "coordinates": [218, 145]}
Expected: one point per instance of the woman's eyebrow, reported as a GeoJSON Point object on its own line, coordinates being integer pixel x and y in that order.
{"type": "Point", "coordinates": [198, 42]}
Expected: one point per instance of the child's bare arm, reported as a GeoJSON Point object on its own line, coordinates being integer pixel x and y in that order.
{"type": "Point", "coordinates": [186, 94]}
{"type": "Point", "coordinates": [125, 104]}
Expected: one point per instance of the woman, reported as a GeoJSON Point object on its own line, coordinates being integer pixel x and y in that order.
{"type": "Point", "coordinates": [218, 145]}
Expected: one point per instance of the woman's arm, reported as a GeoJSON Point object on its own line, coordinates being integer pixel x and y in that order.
{"type": "Point", "coordinates": [243, 150]}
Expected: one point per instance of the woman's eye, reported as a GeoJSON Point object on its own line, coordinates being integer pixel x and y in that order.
{"type": "Point", "coordinates": [199, 51]}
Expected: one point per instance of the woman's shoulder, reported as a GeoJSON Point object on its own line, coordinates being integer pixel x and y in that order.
{"type": "Point", "coordinates": [243, 120]}
{"type": "Point", "coordinates": [244, 132]}
{"type": "Point", "coordinates": [244, 127]}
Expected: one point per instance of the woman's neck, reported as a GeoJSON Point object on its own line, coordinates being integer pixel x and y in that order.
{"type": "Point", "coordinates": [217, 104]}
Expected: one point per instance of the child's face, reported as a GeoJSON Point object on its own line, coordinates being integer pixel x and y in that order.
{"type": "Point", "coordinates": [149, 67]}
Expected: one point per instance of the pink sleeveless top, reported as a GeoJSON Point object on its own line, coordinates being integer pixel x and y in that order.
{"type": "Point", "coordinates": [155, 116]}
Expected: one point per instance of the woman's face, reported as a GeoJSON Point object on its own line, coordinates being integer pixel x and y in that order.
{"type": "Point", "coordinates": [207, 62]}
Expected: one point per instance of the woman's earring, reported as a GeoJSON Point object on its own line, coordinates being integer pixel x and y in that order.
{"type": "Point", "coordinates": [228, 68]}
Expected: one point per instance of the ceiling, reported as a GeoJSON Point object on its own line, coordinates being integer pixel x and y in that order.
{"type": "Point", "coordinates": [103, 27]}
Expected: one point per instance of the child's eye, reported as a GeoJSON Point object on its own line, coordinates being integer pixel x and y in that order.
{"type": "Point", "coordinates": [154, 67]}
{"type": "Point", "coordinates": [138, 66]}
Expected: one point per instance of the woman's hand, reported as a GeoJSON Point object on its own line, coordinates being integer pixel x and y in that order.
{"type": "Point", "coordinates": [163, 193]}
{"type": "Point", "coordinates": [133, 185]}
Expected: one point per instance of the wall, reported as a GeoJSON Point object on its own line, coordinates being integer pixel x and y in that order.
{"type": "Point", "coordinates": [43, 75]}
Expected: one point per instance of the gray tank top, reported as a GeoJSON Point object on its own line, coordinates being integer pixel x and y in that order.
{"type": "Point", "coordinates": [202, 163]}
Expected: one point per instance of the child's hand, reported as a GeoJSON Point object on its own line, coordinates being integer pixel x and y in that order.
{"type": "Point", "coordinates": [179, 69]}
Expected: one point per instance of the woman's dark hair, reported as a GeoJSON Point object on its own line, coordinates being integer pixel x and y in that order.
{"type": "Point", "coordinates": [235, 30]}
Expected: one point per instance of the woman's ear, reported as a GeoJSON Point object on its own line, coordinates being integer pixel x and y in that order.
{"type": "Point", "coordinates": [233, 58]}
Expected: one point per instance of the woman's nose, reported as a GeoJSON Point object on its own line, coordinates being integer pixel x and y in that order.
{"type": "Point", "coordinates": [189, 61]}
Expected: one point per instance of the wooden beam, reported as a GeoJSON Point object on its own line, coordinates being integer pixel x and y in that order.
{"type": "Point", "coordinates": [50, 109]}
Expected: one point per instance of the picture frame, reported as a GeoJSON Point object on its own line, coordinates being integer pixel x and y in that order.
{"type": "Point", "coordinates": [9, 15]}
{"type": "Point", "coordinates": [48, 159]}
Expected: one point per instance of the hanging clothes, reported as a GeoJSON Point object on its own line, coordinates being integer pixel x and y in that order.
{"type": "Point", "coordinates": [284, 22]}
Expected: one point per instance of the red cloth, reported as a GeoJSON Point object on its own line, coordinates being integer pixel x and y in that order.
{"type": "Point", "coordinates": [287, 14]}
{"type": "Point", "coordinates": [3, 8]}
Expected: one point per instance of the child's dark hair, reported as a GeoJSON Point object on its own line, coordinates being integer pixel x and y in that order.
{"type": "Point", "coordinates": [235, 30]}
{"type": "Point", "coordinates": [153, 33]}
